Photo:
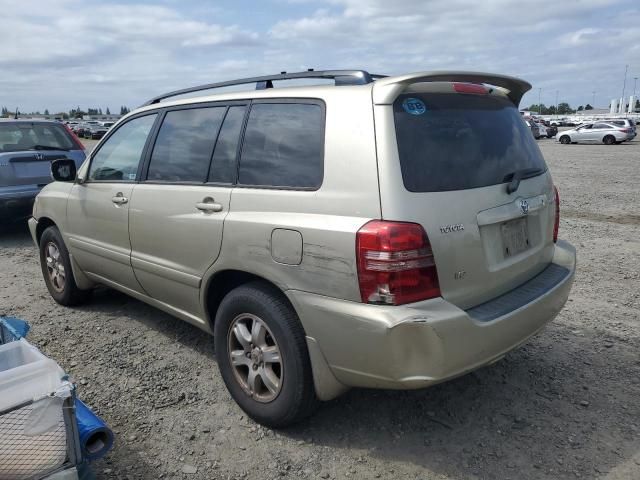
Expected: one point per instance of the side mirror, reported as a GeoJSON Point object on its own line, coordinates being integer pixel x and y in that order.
{"type": "Point", "coordinates": [63, 170]}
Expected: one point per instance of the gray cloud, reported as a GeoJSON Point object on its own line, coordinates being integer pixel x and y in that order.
{"type": "Point", "coordinates": [60, 53]}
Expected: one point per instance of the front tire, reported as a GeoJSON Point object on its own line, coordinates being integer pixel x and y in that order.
{"type": "Point", "coordinates": [56, 269]}
{"type": "Point", "coordinates": [609, 140]}
{"type": "Point", "coordinates": [565, 140]}
{"type": "Point", "coordinates": [262, 355]}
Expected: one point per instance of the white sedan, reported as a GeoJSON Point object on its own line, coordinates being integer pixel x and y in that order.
{"type": "Point", "coordinates": [599, 132]}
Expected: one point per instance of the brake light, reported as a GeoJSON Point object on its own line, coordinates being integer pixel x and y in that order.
{"type": "Point", "coordinates": [626, 130]}
{"type": "Point", "coordinates": [556, 222]}
{"type": "Point", "coordinates": [395, 263]}
{"type": "Point", "coordinates": [470, 88]}
{"type": "Point", "coordinates": [74, 137]}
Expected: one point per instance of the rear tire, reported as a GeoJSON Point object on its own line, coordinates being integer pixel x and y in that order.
{"type": "Point", "coordinates": [565, 140]}
{"type": "Point", "coordinates": [56, 269]}
{"type": "Point", "coordinates": [275, 390]}
{"type": "Point", "coordinates": [609, 140]}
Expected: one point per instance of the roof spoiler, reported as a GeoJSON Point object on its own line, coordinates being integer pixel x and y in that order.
{"type": "Point", "coordinates": [386, 90]}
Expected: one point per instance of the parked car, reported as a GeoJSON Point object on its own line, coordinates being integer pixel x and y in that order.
{"type": "Point", "coordinates": [96, 132]}
{"type": "Point", "coordinates": [625, 123]}
{"type": "Point", "coordinates": [388, 232]}
{"type": "Point", "coordinates": [552, 131]}
{"type": "Point", "coordinates": [79, 129]}
{"type": "Point", "coordinates": [27, 149]}
{"type": "Point", "coordinates": [542, 130]}
{"type": "Point", "coordinates": [535, 129]}
{"type": "Point", "coordinates": [598, 132]}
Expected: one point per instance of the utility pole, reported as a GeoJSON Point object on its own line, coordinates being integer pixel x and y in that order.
{"type": "Point", "coordinates": [556, 104]}
{"type": "Point", "coordinates": [624, 85]}
{"type": "Point", "coordinates": [539, 104]}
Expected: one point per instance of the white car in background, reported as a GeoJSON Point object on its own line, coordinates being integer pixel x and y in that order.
{"type": "Point", "coordinates": [599, 132]}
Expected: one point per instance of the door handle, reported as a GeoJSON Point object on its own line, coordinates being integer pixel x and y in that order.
{"type": "Point", "coordinates": [119, 199]}
{"type": "Point", "coordinates": [208, 205]}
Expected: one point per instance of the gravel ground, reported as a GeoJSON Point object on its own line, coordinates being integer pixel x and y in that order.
{"type": "Point", "coordinates": [563, 406]}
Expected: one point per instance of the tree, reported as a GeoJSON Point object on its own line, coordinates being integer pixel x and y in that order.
{"type": "Point", "coordinates": [580, 108]}
{"type": "Point", "coordinates": [637, 104]}
{"type": "Point", "coordinates": [564, 108]}
{"type": "Point", "coordinates": [76, 113]}
{"type": "Point", "coordinates": [124, 110]}
{"type": "Point", "coordinates": [588, 107]}
{"type": "Point", "coordinates": [46, 111]}
{"type": "Point", "coordinates": [108, 112]}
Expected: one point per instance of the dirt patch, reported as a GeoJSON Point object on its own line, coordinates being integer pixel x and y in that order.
{"type": "Point", "coordinates": [627, 219]}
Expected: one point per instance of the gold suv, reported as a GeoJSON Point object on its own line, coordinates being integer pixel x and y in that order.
{"type": "Point", "coordinates": [385, 232]}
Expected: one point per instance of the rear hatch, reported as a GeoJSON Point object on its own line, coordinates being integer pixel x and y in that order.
{"type": "Point", "coordinates": [28, 148]}
{"type": "Point", "coordinates": [459, 160]}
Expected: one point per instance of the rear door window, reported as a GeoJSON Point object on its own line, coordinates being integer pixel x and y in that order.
{"type": "Point", "coordinates": [183, 148]}
{"type": "Point", "coordinates": [119, 157]}
{"type": "Point", "coordinates": [454, 142]}
{"type": "Point", "coordinates": [283, 146]}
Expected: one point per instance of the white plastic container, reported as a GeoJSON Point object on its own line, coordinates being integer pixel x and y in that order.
{"type": "Point", "coordinates": [25, 374]}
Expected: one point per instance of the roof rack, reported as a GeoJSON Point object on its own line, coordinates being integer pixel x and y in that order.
{"type": "Point", "coordinates": [340, 77]}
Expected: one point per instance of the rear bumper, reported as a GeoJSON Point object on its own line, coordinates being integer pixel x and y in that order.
{"type": "Point", "coordinates": [418, 345]}
{"type": "Point", "coordinates": [17, 201]}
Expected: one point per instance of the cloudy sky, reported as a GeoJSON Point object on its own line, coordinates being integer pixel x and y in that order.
{"type": "Point", "coordinates": [58, 54]}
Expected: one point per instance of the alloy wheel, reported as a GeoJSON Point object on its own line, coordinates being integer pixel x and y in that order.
{"type": "Point", "coordinates": [255, 357]}
{"type": "Point", "coordinates": [55, 267]}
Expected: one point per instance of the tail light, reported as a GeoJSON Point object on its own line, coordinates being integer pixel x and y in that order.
{"type": "Point", "coordinates": [556, 222]}
{"type": "Point", "coordinates": [395, 263]}
{"type": "Point", "coordinates": [626, 130]}
{"type": "Point", "coordinates": [74, 137]}
{"type": "Point", "coordinates": [470, 88]}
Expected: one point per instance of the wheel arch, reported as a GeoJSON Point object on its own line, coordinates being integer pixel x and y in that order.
{"type": "Point", "coordinates": [43, 224]}
{"type": "Point", "coordinates": [221, 283]}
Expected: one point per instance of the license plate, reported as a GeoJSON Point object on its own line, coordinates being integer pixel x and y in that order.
{"type": "Point", "coordinates": [515, 237]}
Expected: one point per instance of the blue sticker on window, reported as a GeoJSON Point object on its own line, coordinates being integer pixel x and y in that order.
{"type": "Point", "coordinates": [414, 106]}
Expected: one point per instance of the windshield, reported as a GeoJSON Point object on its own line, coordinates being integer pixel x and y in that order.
{"type": "Point", "coordinates": [21, 136]}
{"type": "Point", "coordinates": [454, 142]}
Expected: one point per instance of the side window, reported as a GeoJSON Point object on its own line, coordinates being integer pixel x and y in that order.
{"type": "Point", "coordinates": [283, 146]}
{"type": "Point", "coordinates": [223, 167]}
{"type": "Point", "coordinates": [600, 126]}
{"type": "Point", "coordinates": [183, 149]}
{"type": "Point", "coordinates": [118, 158]}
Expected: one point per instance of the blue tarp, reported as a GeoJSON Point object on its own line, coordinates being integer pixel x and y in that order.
{"type": "Point", "coordinates": [96, 438]}
{"type": "Point", "coordinates": [12, 329]}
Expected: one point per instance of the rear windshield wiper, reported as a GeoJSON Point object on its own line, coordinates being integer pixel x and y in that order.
{"type": "Point", "coordinates": [514, 177]}
{"type": "Point", "coordinates": [48, 147]}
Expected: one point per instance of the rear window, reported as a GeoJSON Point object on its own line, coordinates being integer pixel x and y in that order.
{"type": "Point", "coordinates": [455, 142]}
{"type": "Point", "coordinates": [20, 136]}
